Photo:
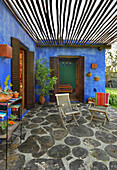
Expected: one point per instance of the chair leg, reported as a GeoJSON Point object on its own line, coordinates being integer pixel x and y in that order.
{"type": "Point", "coordinates": [92, 115]}
{"type": "Point", "coordinates": [105, 121]}
{"type": "Point", "coordinates": [75, 120]}
{"type": "Point", "coordinates": [63, 121]}
{"type": "Point", "coordinates": [106, 116]}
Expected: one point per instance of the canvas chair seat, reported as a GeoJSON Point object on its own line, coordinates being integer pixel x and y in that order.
{"type": "Point", "coordinates": [65, 107]}
{"type": "Point", "coordinates": [100, 105]}
{"type": "Point", "coordinates": [98, 109]}
{"type": "Point", "coordinates": [72, 112]}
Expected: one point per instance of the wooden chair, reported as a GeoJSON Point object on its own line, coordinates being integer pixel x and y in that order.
{"type": "Point", "coordinates": [100, 105]}
{"type": "Point", "coordinates": [65, 107]}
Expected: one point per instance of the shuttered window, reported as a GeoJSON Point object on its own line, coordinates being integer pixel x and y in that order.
{"type": "Point", "coordinates": [29, 73]}
{"type": "Point", "coordinates": [54, 64]}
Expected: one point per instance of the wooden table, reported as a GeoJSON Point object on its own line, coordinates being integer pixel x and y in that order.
{"type": "Point", "coordinates": [12, 103]}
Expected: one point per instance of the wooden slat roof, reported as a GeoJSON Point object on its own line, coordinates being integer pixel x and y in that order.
{"type": "Point", "coordinates": [67, 22]}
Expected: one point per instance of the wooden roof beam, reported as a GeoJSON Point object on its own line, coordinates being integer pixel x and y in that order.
{"type": "Point", "coordinates": [76, 46]}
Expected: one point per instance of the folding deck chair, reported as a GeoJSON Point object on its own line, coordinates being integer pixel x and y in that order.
{"type": "Point", "coordinates": [65, 107]}
{"type": "Point", "coordinates": [101, 105]}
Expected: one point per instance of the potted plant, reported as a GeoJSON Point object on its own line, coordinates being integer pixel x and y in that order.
{"type": "Point", "coordinates": [3, 125]}
{"type": "Point", "coordinates": [44, 81]}
{"type": "Point", "coordinates": [0, 89]}
{"type": "Point", "coordinates": [16, 94]}
{"type": "Point", "coordinates": [96, 78]}
{"type": "Point", "coordinates": [7, 88]}
{"type": "Point", "coordinates": [6, 94]}
{"type": "Point", "coordinates": [13, 117]}
{"type": "Point", "coordinates": [88, 74]}
{"type": "Point", "coordinates": [91, 99]}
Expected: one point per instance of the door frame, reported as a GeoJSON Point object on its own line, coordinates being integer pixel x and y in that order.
{"type": "Point", "coordinates": [77, 72]}
{"type": "Point", "coordinates": [23, 47]}
{"type": "Point", "coordinates": [23, 72]}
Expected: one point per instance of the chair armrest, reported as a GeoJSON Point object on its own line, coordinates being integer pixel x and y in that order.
{"type": "Point", "coordinates": [62, 105]}
{"type": "Point", "coordinates": [107, 105]}
{"type": "Point", "coordinates": [91, 102]}
{"type": "Point", "coordinates": [75, 104]}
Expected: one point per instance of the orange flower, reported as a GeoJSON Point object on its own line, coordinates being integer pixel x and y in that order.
{"type": "Point", "coordinates": [11, 122]}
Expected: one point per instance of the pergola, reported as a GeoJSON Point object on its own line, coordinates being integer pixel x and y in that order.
{"type": "Point", "coordinates": [67, 22]}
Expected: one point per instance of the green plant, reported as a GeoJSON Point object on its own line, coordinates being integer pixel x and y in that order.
{"type": "Point", "coordinates": [6, 84]}
{"type": "Point", "coordinates": [92, 98]}
{"type": "Point", "coordinates": [3, 125]}
{"type": "Point", "coordinates": [96, 77]}
{"type": "Point", "coordinates": [112, 97]}
{"type": "Point", "coordinates": [43, 77]}
{"type": "Point", "coordinates": [13, 117]}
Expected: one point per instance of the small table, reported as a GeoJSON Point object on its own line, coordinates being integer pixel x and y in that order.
{"type": "Point", "coordinates": [12, 103]}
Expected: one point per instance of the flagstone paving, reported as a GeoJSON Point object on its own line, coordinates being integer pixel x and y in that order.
{"type": "Point", "coordinates": [47, 145]}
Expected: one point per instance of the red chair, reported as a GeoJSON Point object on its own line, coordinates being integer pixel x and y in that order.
{"type": "Point", "coordinates": [101, 105]}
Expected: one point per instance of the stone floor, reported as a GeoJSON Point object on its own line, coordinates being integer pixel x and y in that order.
{"type": "Point", "coordinates": [46, 145]}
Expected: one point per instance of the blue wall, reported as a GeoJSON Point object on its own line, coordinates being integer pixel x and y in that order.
{"type": "Point", "coordinates": [9, 27]}
{"type": "Point", "coordinates": [92, 55]}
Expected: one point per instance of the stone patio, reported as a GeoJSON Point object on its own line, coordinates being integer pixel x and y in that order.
{"type": "Point", "coordinates": [46, 145]}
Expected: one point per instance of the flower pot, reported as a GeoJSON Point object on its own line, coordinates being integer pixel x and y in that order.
{"type": "Point", "coordinates": [88, 74]}
{"type": "Point", "coordinates": [16, 95]}
{"type": "Point", "coordinates": [4, 97]}
{"type": "Point", "coordinates": [90, 100]}
{"type": "Point", "coordinates": [10, 91]}
{"type": "Point", "coordinates": [41, 99]}
{"type": "Point", "coordinates": [11, 96]}
{"type": "Point", "coordinates": [96, 78]}
{"type": "Point", "coordinates": [0, 88]}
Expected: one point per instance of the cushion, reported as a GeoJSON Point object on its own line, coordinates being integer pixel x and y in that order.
{"type": "Point", "coordinates": [101, 99]}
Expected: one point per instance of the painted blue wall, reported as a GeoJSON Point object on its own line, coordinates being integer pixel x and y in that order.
{"type": "Point", "coordinates": [92, 55]}
{"type": "Point", "coordinates": [9, 27]}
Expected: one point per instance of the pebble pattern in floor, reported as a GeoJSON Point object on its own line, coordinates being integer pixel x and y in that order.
{"type": "Point", "coordinates": [47, 145]}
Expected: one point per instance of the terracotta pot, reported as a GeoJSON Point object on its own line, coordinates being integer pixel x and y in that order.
{"type": "Point", "coordinates": [88, 74]}
{"type": "Point", "coordinates": [11, 95]}
{"type": "Point", "coordinates": [90, 100]}
{"type": "Point", "coordinates": [41, 99]}
{"type": "Point", "coordinates": [0, 88]}
{"type": "Point", "coordinates": [4, 97]}
{"type": "Point", "coordinates": [96, 78]}
{"type": "Point", "coordinates": [16, 95]}
{"type": "Point", "coordinates": [9, 91]}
